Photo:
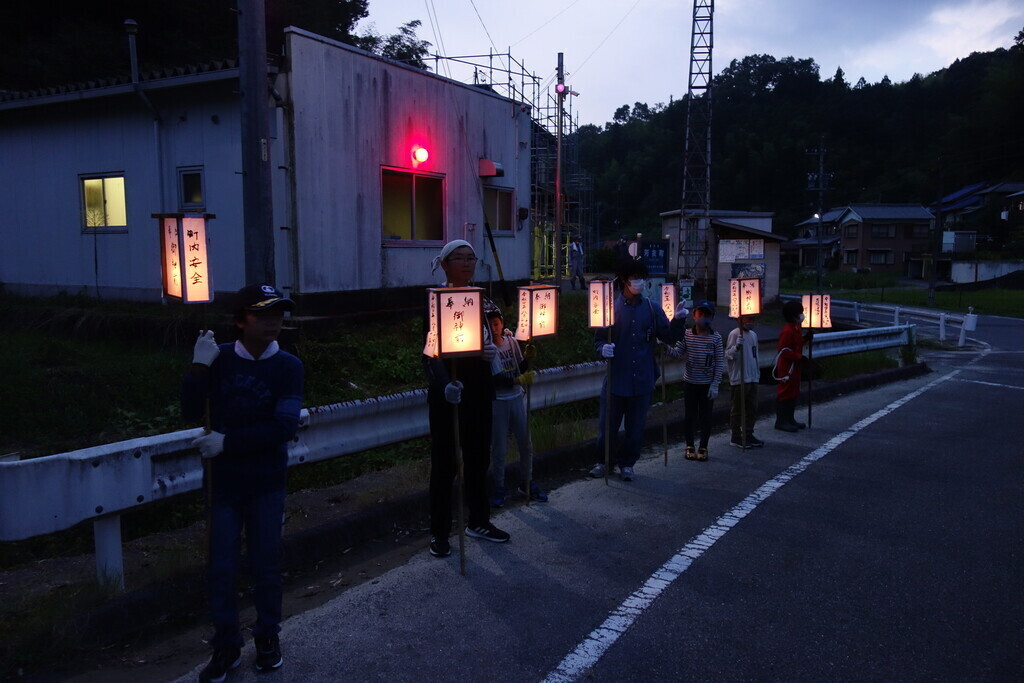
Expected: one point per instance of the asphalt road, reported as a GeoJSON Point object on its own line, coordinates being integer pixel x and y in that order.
{"type": "Point", "coordinates": [885, 543]}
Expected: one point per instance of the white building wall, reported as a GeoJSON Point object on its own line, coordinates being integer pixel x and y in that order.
{"type": "Point", "coordinates": [353, 114]}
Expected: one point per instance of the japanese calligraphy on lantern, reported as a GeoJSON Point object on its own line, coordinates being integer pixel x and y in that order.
{"type": "Point", "coordinates": [455, 322]}
{"type": "Point", "coordinates": [817, 310]}
{"type": "Point", "coordinates": [538, 312]}
{"type": "Point", "coordinates": [601, 303]}
{"type": "Point", "coordinates": [668, 299]}
{"type": "Point", "coordinates": [184, 253]}
{"type": "Point", "coordinates": [744, 297]}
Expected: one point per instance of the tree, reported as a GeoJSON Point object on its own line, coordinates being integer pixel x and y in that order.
{"type": "Point", "coordinates": [403, 46]}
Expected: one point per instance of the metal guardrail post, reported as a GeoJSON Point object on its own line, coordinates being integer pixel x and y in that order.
{"type": "Point", "coordinates": [109, 556]}
{"type": "Point", "coordinates": [896, 315]}
{"type": "Point", "coordinates": [942, 327]}
{"type": "Point", "coordinates": [856, 311]}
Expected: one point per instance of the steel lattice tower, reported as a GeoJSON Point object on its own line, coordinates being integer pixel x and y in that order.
{"type": "Point", "coordinates": [695, 213]}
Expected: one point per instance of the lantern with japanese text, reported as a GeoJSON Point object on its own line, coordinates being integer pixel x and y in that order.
{"type": "Point", "coordinates": [602, 303]}
{"type": "Point", "coordinates": [669, 299]}
{"type": "Point", "coordinates": [455, 322]}
{"type": "Point", "coordinates": [817, 311]}
{"type": "Point", "coordinates": [538, 312]}
{"type": "Point", "coordinates": [184, 248]}
{"type": "Point", "coordinates": [744, 297]}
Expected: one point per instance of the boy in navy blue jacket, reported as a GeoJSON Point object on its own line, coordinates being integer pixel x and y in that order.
{"type": "Point", "coordinates": [253, 391]}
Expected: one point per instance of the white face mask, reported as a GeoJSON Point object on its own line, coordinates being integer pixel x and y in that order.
{"type": "Point", "coordinates": [801, 317]}
{"type": "Point", "coordinates": [637, 286]}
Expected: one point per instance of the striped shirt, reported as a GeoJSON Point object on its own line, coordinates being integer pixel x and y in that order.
{"type": "Point", "coordinates": [705, 359]}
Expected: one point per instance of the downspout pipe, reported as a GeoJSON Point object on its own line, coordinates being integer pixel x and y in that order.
{"type": "Point", "coordinates": [131, 27]}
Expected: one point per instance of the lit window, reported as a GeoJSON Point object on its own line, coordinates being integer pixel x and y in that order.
{"type": "Point", "coordinates": [103, 205]}
{"type": "Point", "coordinates": [190, 189]}
{"type": "Point", "coordinates": [412, 206]}
{"type": "Point", "coordinates": [498, 209]}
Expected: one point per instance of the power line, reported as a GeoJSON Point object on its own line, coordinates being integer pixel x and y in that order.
{"type": "Point", "coordinates": [436, 28]}
{"type": "Point", "coordinates": [488, 33]}
{"type": "Point", "coordinates": [567, 8]}
{"type": "Point", "coordinates": [605, 39]}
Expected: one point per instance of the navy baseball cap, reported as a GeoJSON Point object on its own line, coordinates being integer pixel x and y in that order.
{"type": "Point", "coordinates": [706, 305]}
{"type": "Point", "coordinates": [255, 298]}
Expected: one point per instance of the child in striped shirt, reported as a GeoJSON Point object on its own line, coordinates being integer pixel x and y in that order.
{"type": "Point", "coordinates": [702, 373]}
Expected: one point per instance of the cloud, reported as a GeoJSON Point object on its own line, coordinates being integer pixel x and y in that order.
{"type": "Point", "coordinates": [947, 33]}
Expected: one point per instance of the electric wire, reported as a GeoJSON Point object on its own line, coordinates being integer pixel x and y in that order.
{"type": "Point", "coordinates": [563, 11]}
{"type": "Point", "coordinates": [436, 29]}
{"type": "Point", "coordinates": [605, 39]}
{"type": "Point", "coordinates": [504, 65]}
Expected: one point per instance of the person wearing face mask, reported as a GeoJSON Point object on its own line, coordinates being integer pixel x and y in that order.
{"type": "Point", "coordinates": [638, 324]}
{"type": "Point", "coordinates": [473, 391]}
{"type": "Point", "coordinates": [787, 367]}
{"type": "Point", "coordinates": [702, 373]}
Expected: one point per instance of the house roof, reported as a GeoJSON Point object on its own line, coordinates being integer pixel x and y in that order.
{"type": "Point", "coordinates": [872, 212]}
{"type": "Point", "coordinates": [763, 234]}
{"type": "Point", "coordinates": [802, 242]}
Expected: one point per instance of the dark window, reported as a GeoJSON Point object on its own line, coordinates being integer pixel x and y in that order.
{"type": "Point", "coordinates": [412, 206]}
{"type": "Point", "coordinates": [880, 257]}
{"type": "Point", "coordinates": [498, 209]}
{"type": "Point", "coordinates": [190, 186]}
{"type": "Point", "coordinates": [850, 258]}
{"type": "Point", "coordinates": [851, 230]}
{"type": "Point", "coordinates": [883, 230]}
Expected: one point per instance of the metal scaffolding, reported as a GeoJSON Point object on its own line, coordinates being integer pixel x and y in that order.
{"type": "Point", "coordinates": [505, 75]}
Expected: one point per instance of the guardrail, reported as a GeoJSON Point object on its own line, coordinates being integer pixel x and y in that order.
{"type": "Point", "coordinates": [968, 322]}
{"type": "Point", "coordinates": [55, 492]}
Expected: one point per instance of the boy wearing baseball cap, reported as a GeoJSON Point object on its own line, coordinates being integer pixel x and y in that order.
{"type": "Point", "coordinates": [252, 391]}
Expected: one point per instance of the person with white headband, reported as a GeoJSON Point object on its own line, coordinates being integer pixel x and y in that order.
{"type": "Point", "coordinates": [474, 393]}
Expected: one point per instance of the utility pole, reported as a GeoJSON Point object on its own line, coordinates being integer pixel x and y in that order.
{"type": "Point", "coordinates": [257, 199]}
{"type": "Point", "coordinates": [560, 94]}
{"type": "Point", "coordinates": [819, 183]}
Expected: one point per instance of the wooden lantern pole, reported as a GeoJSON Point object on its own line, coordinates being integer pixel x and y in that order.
{"type": "Point", "coordinates": [528, 353]}
{"type": "Point", "coordinates": [459, 482]}
{"type": "Point", "coordinates": [743, 387]}
{"type": "Point", "coordinates": [608, 414]}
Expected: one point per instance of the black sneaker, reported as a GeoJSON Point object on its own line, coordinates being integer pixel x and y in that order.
{"type": "Point", "coordinates": [738, 443]}
{"type": "Point", "coordinates": [754, 442]}
{"type": "Point", "coordinates": [440, 547]}
{"type": "Point", "coordinates": [268, 654]}
{"type": "Point", "coordinates": [488, 532]}
{"type": "Point", "coordinates": [224, 660]}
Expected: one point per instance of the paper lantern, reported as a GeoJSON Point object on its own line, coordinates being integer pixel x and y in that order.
{"type": "Point", "coordinates": [184, 256]}
{"type": "Point", "coordinates": [744, 296]}
{"type": "Point", "coordinates": [456, 322]}
{"type": "Point", "coordinates": [538, 312]}
{"type": "Point", "coordinates": [817, 311]}
{"type": "Point", "coordinates": [602, 303]}
{"type": "Point", "coordinates": [668, 300]}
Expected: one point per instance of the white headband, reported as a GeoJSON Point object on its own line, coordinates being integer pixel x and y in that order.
{"type": "Point", "coordinates": [447, 250]}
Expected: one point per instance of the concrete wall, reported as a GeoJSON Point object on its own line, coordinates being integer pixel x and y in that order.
{"type": "Point", "coordinates": [978, 271]}
{"type": "Point", "coordinates": [354, 114]}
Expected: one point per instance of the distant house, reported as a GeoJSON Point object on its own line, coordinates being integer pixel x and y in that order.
{"type": "Point", "coordinates": [887, 238]}
{"type": "Point", "coordinates": [979, 210]}
{"type": "Point", "coordinates": [740, 244]}
{"type": "Point", "coordinates": [803, 251]}
{"type": "Point", "coordinates": [355, 209]}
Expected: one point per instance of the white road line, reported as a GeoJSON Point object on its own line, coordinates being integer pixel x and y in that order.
{"type": "Point", "coordinates": [593, 647]}
{"type": "Point", "coordinates": [990, 384]}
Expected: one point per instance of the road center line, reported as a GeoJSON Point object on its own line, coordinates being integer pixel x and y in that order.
{"type": "Point", "coordinates": [598, 641]}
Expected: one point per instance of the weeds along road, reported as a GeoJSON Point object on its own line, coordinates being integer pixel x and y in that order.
{"type": "Point", "coordinates": [884, 542]}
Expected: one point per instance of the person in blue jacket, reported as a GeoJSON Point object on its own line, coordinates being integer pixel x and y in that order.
{"type": "Point", "coordinates": [251, 392]}
{"type": "Point", "coordinates": [637, 325]}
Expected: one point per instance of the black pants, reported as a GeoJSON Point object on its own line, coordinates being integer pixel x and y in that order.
{"type": "Point", "coordinates": [698, 413]}
{"type": "Point", "coordinates": [475, 433]}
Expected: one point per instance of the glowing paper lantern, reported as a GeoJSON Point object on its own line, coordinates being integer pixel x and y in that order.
{"type": "Point", "coordinates": [744, 297]}
{"type": "Point", "coordinates": [668, 300]}
{"type": "Point", "coordinates": [817, 311]}
{"type": "Point", "coordinates": [602, 303]}
{"type": "Point", "coordinates": [538, 312]}
{"type": "Point", "coordinates": [456, 322]}
{"type": "Point", "coordinates": [184, 256]}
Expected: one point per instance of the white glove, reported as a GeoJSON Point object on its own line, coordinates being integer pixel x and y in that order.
{"type": "Point", "coordinates": [682, 311]}
{"type": "Point", "coordinates": [453, 392]}
{"type": "Point", "coordinates": [205, 351]}
{"type": "Point", "coordinates": [608, 351]}
{"type": "Point", "coordinates": [677, 350]}
{"type": "Point", "coordinates": [490, 351]}
{"type": "Point", "coordinates": [210, 445]}
{"type": "Point", "coordinates": [713, 392]}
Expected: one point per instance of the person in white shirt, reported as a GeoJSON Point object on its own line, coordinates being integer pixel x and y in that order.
{"type": "Point", "coordinates": [743, 384]}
